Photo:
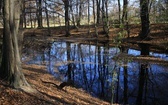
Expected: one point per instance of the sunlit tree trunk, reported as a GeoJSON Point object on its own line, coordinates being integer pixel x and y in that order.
{"type": "Point", "coordinates": [11, 62]}
{"type": "Point", "coordinates": [144, 19]}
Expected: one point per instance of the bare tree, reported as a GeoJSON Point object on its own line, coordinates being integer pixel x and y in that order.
{"type": "Point", "coordinates": [66, 4]}
{"type": "Point", "coordinates": [105, 16]}
{"type": "Point", "coordinates": [119, 11]}
{"type": "Point", "coordinates": [98, 10]}
{"type": "Point", "coordinates": [80, 13]}
{"type": "Point", "coordinates": [48, 24]}
{"type": "Point", "coordinates": [39, 14]}
{"type": "Point", "coordinates": [94, 18]}
{"type": "Point", "coordinates": [125, 11]}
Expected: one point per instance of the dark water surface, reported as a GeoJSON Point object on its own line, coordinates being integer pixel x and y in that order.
{"type": "Point", "coordinates": [94, 69]}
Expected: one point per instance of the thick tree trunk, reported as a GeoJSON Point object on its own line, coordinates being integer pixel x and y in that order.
{"type": "Point", "coordinates": [144, 19]}
{"type": "Point", "coordinates": [11, 62]}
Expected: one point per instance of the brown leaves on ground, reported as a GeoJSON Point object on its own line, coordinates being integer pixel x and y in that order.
{"type": "Point", "coordinates": [47, 94]}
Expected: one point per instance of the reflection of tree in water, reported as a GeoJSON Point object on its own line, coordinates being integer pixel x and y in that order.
{"type": "Point", "coordinates": [92, 68]}
{"type": "Point", "coordinates": [143, 75]}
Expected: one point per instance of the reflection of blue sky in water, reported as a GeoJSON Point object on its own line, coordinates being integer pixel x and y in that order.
{"type": "Point", "coordinates": [158, 55]}
{"type": "Point", "coordinates": [93, 67]}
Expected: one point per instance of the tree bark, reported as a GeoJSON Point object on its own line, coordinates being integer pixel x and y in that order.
{"type": "Point", "coordinates": [39, 14]}
{"type": "Point", "coordinates": [98, 11]}
{"type": "Point", "coordinates": [144, 19]}
{"type": "Point", "coordinates": [48, 23]}
{"type": "Point", "coordinates": [119, 10]}
{"type": "Point", "coordinates": [125, 11]}
{"type": "Point", "coordinates": [105, 17]}
{"type": "Point", "coordinates": [11, 62]}
{"type": "Point", "coordinates": [80, 13]}
{"type": "Point", "coordinates": [66, 4]}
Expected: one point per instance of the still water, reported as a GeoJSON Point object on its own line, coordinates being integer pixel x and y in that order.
{"type": "Point", "coordinates": [94, 69]}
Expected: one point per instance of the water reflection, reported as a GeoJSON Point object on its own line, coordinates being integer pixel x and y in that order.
{"type": "Point", "coordinates": [93, 68]}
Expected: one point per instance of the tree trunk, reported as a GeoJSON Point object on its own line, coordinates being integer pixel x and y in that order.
{"type": "Point", "coordinates": [94, 18]}
{"type": "Point", "coordinates": [98, 11]}
{"type": "Point", "coordinates": [48, 24]}
{"type": "Point", "coordinates": [66, 4]}
{"type": "Point", "coordinates": [125, 11]}
{"type": "Point", "coordinates": [105, 17]}
{"type": "Point", "coordinates": [119, 10]}
{"type": "Point", "coordinates": [144, 19]}
{"type": "Point", "coordinates": [72, 14]}
{"type": "Point", "coordinates": [11, 62]}
{"type": "Point", "coordinates": [89, 17]}
{"type": "Point", "coordinates": [80, 13]}
{"type": "Point", "coordinates": [1, 6]}
{"type": "Point", "coordinates": [39, 14]}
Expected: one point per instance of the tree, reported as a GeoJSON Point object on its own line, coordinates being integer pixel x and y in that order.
{"type": "Point", "coordinates": [66, 4]}
{"type": "Point", "coordinates": [1, 2]}
{"type": "Point", "coordinates": [47, 17]}
{"type": "Point", "coordinates": [98, 11]}
{"type": "Point", "coordinates": [119, 11]}
{"type": "Point", "coordinates": [80, 13]}
{"type": "Point", "coordinates": [125, 11]}
{"type": "Point", "coordinates": [39, 14]}
{"type": "Point", "coordinates": [144, 14]}
{"type": "Point", "coordinates": [11, 62]}
{"type": "Point", "coordinates": [105, 17]}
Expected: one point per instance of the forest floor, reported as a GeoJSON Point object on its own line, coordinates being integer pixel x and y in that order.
{"type": "Point", "coordinates": [48, 92]}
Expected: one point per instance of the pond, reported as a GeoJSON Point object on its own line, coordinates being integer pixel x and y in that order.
{"type": "Point", "coordinates": [99, 71]}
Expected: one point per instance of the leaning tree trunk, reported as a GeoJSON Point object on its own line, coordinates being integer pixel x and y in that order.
{"type": "Point", "coordinates": [11, 62]}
